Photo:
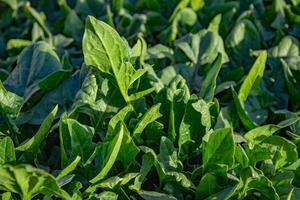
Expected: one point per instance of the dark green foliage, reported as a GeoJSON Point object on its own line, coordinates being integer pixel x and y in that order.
{"type": "Point", "coordinates": [149, 99]}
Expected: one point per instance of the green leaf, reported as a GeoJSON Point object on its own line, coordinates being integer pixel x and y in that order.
{"type": "Point", "coordinates": [17, 44]}
{"type": "Point", "coordinates": [288, 47]}
{"type": "Point", "coordinates": [150, 195]}
{"type": "Point", "coordinates": [150, 116]}
{"type": "Point", "coordinates": [28, 182]}
{"type": "Point", "coordinates": [102, 41]}
{"type": "Point", "coordinates": [252, 181]}
{"type": "Point", "coordinates": [168, 155]}
{"type": "Point", "coordinates": [73, 26]}
{"type": "Point", "coordinates": [241, 156]}
{"type": "Point", "coordinates": [173, 100]}
{"type": "Point", "coordinates": [10, 103]}
{"type": "Point", "coordinates": [33, 144]}
{"type": "Point", "coordinates": [147, 164]}
{"type": "Point", "coordinates": [254, 76]}
{"type": "Point", "coordinates": [240, 108]}
{"type": "Point", "coordinates": [208, 185]}
{"type": "Point", "coordinates": [12, 3]}
{"type": "Point", "coordinates": [202, 47]}
{"type": "Point", "coordinates": [117, 4]}
{"type": "Point", "coordinates": [63, 96]}
{"type": "Point", "coordinates": [7, 152]}
{"type": "Point", "coordinates": [6, 196]}
{"type": "Point", "coordinates": [38, 71]}
{"type": "Point", "coordinates": [106, 195]}
{"type": "Point", "coordinates": [219, 149]}
{"type": "Point", "coordinates": [37, 17]}
{"type": "Point", "coordinates": [71, 167]}
{"type": "Point", "coordinates": [86, 97]}
{"type": "Point", "coordinates": [195, 123]}
{"type": "Point", "coordinates": [139, 50]}
{"type": "Point", "coordinates": [113, 148]}
{"type": "Point", "coordinates": [242, 37]}
{"type": "Point", "coordinates": [181, 5]}
{"type": "Point", "coordinates": [286, 150]}
{"type": "Point", "coordinates": [291, 82]}
{"type": "Point", "coordinates": [215, 22]}
{"type": "Point", "coordinates": [112, 183]}
{"type": "Point", "coordinates": [122, 115]}
{"type": "Point", "coordinates": [128, 150]}
{"type": "Point", "coordinates": [75, 139]}
{"type": "Point", "coordinates": [259, 134]}
{"type": "Point", "coordinates": [197, 4]}
{"type": "Point", "coordinates": [160, 51]}
{"type": "Point", "coordinates": [208, 86]}
{"type": "Point", "coordinates": [105, 50]}
{"type": "Point", "coordinates": [138, 95]}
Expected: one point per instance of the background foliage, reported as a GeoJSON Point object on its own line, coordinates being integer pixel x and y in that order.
{"type": "Point", "coordinates": [149, 99]}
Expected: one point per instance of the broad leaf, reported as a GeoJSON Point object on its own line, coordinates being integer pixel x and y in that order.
{"type": "Point", "coordinates": [219, 149]}
{"type": "Point", "coordinates": [102, 41]}
{"type": "Point", "coordinates": [28, 182]}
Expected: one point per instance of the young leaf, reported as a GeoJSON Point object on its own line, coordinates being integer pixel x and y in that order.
{"type": "Point", "coordinates": [122, 115]}
{"type": "Point", "coordinates": [247, 122]}
{"type": "Point", "coordinates": [150, 116]}
{"type": "Point", "coordinates": [215, 23]}
{"type": "Point", "coordinates": [105, 50]}
{"type": "Point", "coordinates": [208, 85]}
{"type": "Point", "coordinates": [254, 76]}
{"type": "Point", "coordinates": [69, 168]}
{"type": "Point", "coordinates": [113, 148]}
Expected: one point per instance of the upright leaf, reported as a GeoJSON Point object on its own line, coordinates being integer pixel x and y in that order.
{"type": "Point", "coordinates": [195, 123]}
{"type": "Point", "coordinates": [112, 150]}
{"type": "Point", "coordinates": [105, 50]}
{"type": "Point", "coordinates": [75, 139]}
{"type": "Point", "coordinates": [254, 76]}
{"type": "Point", "coordinates": [69, 168]}
{"type": "Point", "coordinates": [208, 85]}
